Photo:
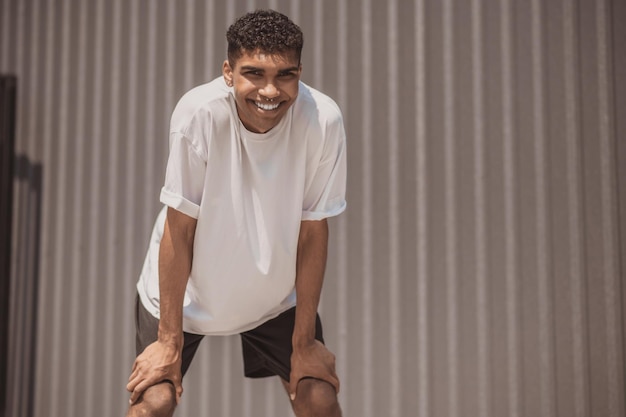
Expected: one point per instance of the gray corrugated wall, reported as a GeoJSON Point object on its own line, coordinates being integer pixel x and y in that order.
{"type": "Point", "coordinates": [478, 270]}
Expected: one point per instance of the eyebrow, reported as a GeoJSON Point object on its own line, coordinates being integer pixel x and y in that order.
{"type": "Point", "coordinates": [253, 68]}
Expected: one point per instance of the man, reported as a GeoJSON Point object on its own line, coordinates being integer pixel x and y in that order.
{"type": "Point", "coordinates": [257, 164]}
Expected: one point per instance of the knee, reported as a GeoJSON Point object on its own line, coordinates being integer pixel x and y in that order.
{"type": "Point", "coordinates": [316, 398]}
{"type": "Point", "coordinates": [157, 401]}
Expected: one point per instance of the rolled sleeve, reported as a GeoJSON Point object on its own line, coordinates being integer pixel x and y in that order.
{"type": "Point", "coordinates": [320, 215]}
{"type": "Point", "coordinates": [184, 177]}
{"type": "Point", "coordinates": [180, 203]}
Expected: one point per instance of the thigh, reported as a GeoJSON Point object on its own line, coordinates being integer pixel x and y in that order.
{"type": "Point", "coordinates": [267, 349]}
{"type": "Point", "coordinates": [147, 329]}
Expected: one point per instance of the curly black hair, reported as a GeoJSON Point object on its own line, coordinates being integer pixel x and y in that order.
{"type": "Point", "coordinates": [267, 31]}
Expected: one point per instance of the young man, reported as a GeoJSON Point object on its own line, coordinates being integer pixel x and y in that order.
{"type": "Point", "coordinates": [257, 164]}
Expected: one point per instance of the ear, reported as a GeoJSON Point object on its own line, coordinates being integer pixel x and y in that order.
{"type": "Point", "coordinates": [227, 72]}
{"type": "Point", "coordinates": [299, 70]}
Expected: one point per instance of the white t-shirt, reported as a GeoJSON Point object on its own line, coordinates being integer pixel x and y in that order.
{"type": "Point", "coordinates": [249, 193]}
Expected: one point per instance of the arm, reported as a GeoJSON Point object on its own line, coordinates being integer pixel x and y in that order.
{"type": "Point", "coordinates": [310, 358]}
{"type": "Point", "coordinates": [161, 361]}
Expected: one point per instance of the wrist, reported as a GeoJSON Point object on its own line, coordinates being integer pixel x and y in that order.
{"type": "Point", "coordinates": [304, 328]}
{"type": "Point", "coordinates": [173, 339]}
{"type": "Point", "coordinates": [302, 341]}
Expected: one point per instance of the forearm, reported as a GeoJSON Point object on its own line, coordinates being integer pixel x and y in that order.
{"type": "Point", "coordinates": [310, 267]}
{"type": "Point", "coordinates": [175, 257]}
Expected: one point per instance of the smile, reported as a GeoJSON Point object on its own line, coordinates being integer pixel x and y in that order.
{"type": "Point", "coordinates": [266, 106]}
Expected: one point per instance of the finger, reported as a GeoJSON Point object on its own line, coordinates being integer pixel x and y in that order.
{"type": "Point", "coordinates": [133, 374]}
{"type": "Point", "coordinates": [178, 388]}
{"type": "Point", "coordinates": [135, 379]}
{"type": "Point", "coordinates": [293, 385]}
{"type": "Point", "coordinates": [334, 379]}
{"type": "Point", "coordinates": [177, 381]}
{"type": "Point", "coordinates": [134, 396]}
{"type": "Point", "coordinates": [132, 384]}
{"type": "Point", "coordinates": [136, 393]}
{"type": "Point", "coordinates": [179, 393]}
{"type": "Point", "coordinates": [139, 389]}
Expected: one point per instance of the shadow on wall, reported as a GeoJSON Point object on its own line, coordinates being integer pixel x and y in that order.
{"type": "Point", "coordinates": [20, 231]}
{"type": "Point", "coordinates": [8, 86]}
{"type": "Point", "coordinates": [24, 290]}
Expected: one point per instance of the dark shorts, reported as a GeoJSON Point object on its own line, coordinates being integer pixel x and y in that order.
{"type": "Point", "coordinates": [266, 349]}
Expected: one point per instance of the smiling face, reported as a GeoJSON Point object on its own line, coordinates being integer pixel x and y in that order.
{"type": "Point", "coordinates": [264, 85]}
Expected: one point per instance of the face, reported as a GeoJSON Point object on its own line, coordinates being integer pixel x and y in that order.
{"type": "Point", "coordinates": [265, 86]}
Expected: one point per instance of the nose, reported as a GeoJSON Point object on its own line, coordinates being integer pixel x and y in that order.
{"type": "Point", "coordinates": [269, 91]}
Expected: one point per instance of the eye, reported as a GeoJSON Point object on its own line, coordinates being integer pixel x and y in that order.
{"type": "Point", "coordinates": [287, 75]}
{"type": "Point", "coordinates": [253, 73]}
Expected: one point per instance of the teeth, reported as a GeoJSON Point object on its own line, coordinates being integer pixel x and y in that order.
{"type": "Point", "coordinates": [265, 106]}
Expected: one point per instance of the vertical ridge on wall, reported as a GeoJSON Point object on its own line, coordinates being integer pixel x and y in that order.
{"type": "Point", "coordinates": [510, 214]}
{"type": "Point", "coordinates": [20, 36]}
{"type": "Point", "coordinates": [77, 173]}
{"type": "Point", "coordinates": [130, 205]}
{"type": "Point", "coordinates": [170, 58]}
{"type": "Point", "coordinates": [155, 139]}
{"type": "Point", "coordinates": [46, 261]}
{"type": "Point", "coordinates": [34, 77]}
{"type": "Point", "coordinates": [343, 295]}
{"type": "Point", "coordinates": [480, 238]}
{"type": "Point", "coordinates": [422, 325]}
{"type": "Point", "coordinates": [612, 290]}
{"type": "Point", "coordinates": [211, 60]}
{"type": "Point", "coordinates": [7, 29]}
{"type": "Point", "coordinates": [113, 133]}
{"type": "Point", "coordinates": [346, 288]}
{"type": "Point", "coordinates": [395, 319]}
{"type": "Point", "coordinates": [317, 44]}
{"type": "Point", "coordinates": [189, 46]}
{"type": "Point", "coordinates": [546, 313]}
{"type": "Point", "coordinates": [367, 198]}
{"type": "Point", "coordinates": [92, 347]}
{"type": "Point", "coordinates": [59, 233]}
{"type": "Point", "coordinates": [4, 30]}
{"type": "Point", "coordinates": [294, 11]}
{"type": "Point", "coordinates": [578, 329]}
{"type": "Point", "coordinates": [451, 201]}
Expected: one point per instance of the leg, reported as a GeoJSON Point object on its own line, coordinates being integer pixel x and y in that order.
{"type": "Point", "coordinates": [160, 399]}
{"type": "Point", "coordinates": [156, 401]}
{"type": "Point", "coordinates": [267, 351]}
{"type": "Point", "coordinates": [315, 398]}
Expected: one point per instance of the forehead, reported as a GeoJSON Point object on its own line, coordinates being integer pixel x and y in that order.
{"type": "Point", "coordinates": [265, 59]}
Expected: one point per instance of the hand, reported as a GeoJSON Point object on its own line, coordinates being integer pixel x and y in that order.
{"type": "Point", "coordinates": [312, 360]}
{"type": "Point", "coordinates": [157, 363]}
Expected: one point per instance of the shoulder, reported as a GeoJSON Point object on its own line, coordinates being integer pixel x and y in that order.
{"type": "Point", "coordinates": [201, 104]}
{"type": "Point", "coordinates": [314, 102]}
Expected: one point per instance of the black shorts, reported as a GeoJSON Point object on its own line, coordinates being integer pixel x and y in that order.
{"type": "Point", "coordinates": [266, 349]}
